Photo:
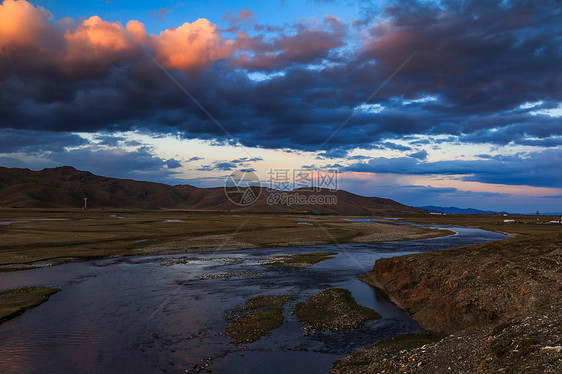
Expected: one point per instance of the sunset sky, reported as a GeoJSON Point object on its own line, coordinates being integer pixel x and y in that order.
{"type": "Point", "coordinates": [425, 102]}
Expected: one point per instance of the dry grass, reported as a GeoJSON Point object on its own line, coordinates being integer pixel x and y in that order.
{"type": "Point", "coordinates": [55, 236]}
{"type": "Point", "coordinates": [15, 301]}
{"type": "Point", "coordinates": [523, 226]}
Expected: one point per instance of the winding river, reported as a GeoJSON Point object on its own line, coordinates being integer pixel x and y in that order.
{"type": "Point", "coordinates": [131, 315]}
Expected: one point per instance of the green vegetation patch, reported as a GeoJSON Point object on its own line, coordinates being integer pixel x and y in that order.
{"type": "Point", "coordinates": [256, 319]}
{"type": "Point", "coordinates": [15, 301]}
{"type": "Point", "coordinates": [333, 309]}
{"type": "Point", "coordinates": [303, 260]}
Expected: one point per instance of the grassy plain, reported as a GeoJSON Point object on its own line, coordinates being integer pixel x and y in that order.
{"type": "Point", "coordinates": [41, 237]}
{"type": "Point", "coordinates": [524, 225]}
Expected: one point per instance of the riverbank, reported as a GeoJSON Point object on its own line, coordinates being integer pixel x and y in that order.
{"type": "Point", "coordinates": [34, 238]}
{"type": "Point", "coordinates": [476, 287]}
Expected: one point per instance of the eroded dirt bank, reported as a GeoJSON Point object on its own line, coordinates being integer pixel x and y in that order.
{"type": "Point", "coordinates": [480, 285]}
{"type": "Point", "coordinates": [501, 300]}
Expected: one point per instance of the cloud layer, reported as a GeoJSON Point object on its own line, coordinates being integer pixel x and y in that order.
{"type": "Point", "coordinates": [537, 169]}
{"type": "Point", "coordinates": [476, 72]}
{"type": "Point", "coordinates": [479, 62]}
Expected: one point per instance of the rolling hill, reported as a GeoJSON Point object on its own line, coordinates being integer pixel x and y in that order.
{"type": "Point", "coordinates": [66, 187]}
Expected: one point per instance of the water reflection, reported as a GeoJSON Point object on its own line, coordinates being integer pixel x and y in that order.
{"type": "Point", "coordinates": [133, 315]}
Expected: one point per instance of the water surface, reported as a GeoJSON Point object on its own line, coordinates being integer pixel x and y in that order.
{"type": "Point", "coordinates": [130, 314]}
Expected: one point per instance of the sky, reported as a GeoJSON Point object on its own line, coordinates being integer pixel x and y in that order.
{"type": "Point", "coordinates": [448, 103]}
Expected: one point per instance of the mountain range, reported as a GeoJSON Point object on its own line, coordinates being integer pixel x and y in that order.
{"type": "Point", "coordinates": [66, 187]}
{"type": "Point", "coordinates": [455, 210]}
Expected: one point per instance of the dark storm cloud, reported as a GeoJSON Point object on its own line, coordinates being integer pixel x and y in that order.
{"type": "Point", "coordinates": [394, 146]}
{"type": "Point", "coordinates": [478, 68]}
{"type": "Point", "coordinates": [13, 140]}
{"type": "Point", "coordinates": [333, 153]}
{"type": "Point", "coordinates": [140, 164]}
{"type": "Point", "coordinates": [535, 169]}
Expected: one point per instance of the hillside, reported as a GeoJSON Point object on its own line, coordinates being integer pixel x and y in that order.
{"type": "Point", "coordinates": [66, 187]}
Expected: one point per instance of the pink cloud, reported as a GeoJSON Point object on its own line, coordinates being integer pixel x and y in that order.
{"type": "Point", "coordinates": [191, 46]}
{"type": "Point", "coordinates": [96, 45]}
{"type": "Point", "coordinates": [30, 39]}
{"type": "Point", "coordinates": [310, 43]}
{"type": "Point", "coordinates": [21, 25]}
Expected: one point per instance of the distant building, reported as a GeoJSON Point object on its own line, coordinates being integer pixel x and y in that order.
{"type": "Point", "coordinates": [508, 220]}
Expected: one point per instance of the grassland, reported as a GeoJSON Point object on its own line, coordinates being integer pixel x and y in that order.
{"type": "Point", "coordinates": [524, 225]}
{"type": "Point", "coordinates": [15, 301]}
{"type": "Point", "coordinates": [256, 319]}
{"type": "Point", "coordinates": [42, 237]}
{"type": "Point", "coordinates": [333, 309]}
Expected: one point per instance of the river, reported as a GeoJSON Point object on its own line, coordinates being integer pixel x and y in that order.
{"type": "Point", "coordinates": [131, 315]}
